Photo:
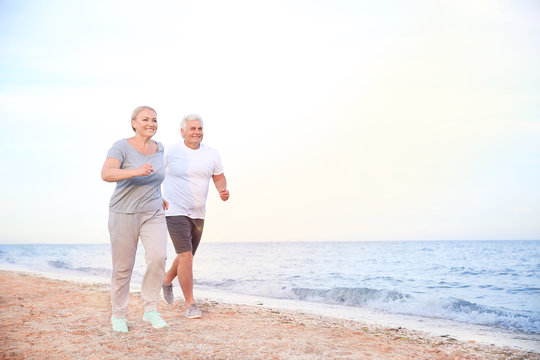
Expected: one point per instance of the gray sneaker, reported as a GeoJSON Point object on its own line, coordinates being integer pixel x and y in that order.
{"type": "Point", "coordinates": [193, 312]}
{"type": "Point", "coordinates": [168, 293]}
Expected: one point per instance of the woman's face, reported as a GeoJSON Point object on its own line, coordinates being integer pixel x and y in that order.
{"type": "Point", "coordinates": [145, 123]}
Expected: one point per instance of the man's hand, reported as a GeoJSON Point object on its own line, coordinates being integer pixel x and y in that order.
{"type": "Point", "coordinates": [224, 194]}
{"type": "Point", "coordinates": [221, 186]}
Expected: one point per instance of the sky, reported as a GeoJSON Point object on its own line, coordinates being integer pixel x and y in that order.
{"type": "Point", "coordinates": [336, 120]}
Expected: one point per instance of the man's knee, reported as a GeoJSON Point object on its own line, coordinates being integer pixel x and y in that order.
{"type": "Point", "coordinates": [185, 257]}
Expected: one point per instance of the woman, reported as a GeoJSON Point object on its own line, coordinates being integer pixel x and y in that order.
{"type": "Point", "coordinates": [136, 210]}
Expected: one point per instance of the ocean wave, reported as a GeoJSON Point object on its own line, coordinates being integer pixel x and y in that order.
{"type": "Point", "coordinates": [59, 264]}
{"type": "Point", "coordinates": [461, 309]}
{"type": "Point", "coordinates": [391, 301]}
{"type": "Point", "coordinates": [9, 260]}
{"type": "Point", "coordinates": [349, 296]}
{"type": "Point", "coordinates": [464, 311]}
{"type": "Point", "coordinates": [87, 270]}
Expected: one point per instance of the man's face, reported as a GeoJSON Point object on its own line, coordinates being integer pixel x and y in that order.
{"type": "Point", "coordinates": [193, 134]}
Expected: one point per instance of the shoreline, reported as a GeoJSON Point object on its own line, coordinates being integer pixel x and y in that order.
{"type": "Point", "coordinates": [436, 327]}
{"type": "Point", "coordinates": [43, 318]}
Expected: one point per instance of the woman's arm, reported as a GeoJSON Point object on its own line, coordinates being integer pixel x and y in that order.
{"type": "Point", "coordinates": [111, 171]}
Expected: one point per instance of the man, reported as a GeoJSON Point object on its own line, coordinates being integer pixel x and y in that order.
{"type": "Point", "coordinates": [189, 167]}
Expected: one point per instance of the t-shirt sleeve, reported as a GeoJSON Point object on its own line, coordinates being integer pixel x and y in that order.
{"type": "Point", "coordinates": [166, 151]}
{"type": "Point", "coordinates": [218, 166]}
{"type": "Point", "coordinates": [116, 152]}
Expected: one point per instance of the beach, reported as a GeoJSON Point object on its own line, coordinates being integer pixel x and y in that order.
{"type": "Point", "coordinates": [42, 318]}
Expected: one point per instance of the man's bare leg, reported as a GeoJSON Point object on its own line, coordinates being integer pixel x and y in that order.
{"type": "Point", "coordinates": [182, 267]}
{"type": "Point", "coordinates": [184, 271]}
{"type": "Point", "coordinates": [171, 273]}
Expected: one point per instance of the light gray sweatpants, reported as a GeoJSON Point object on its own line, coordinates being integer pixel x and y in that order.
{"type": "Point", "coordinates": [125, 231]}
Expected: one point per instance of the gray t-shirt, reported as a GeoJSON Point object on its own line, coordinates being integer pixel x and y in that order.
{"type": "Point", "coordinates": [140, 193]}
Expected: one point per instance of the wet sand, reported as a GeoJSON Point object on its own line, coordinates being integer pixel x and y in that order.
{"type": "Point", "coordinates": [42, 318]}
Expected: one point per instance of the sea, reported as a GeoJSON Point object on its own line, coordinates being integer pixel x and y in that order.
{"type": "Point", "coordinates": [477, 291]}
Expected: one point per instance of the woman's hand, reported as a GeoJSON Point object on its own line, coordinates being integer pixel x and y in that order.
{"type": "Point", "coordinates": [145, 170]}
{"type": "Point", "coordinates": [111, 171]}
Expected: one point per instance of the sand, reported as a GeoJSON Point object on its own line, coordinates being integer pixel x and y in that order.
{"type": "Point", "coordinates": [42, 318]}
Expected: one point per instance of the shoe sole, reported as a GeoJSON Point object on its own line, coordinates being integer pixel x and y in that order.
{"type": "Point", "coordinates": [159, 327]}
{"type": "Point", "coordinates": [194, 316]}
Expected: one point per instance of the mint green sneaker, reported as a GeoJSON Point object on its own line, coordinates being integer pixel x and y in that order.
{"type": "Point", "coordinates": [155, 318]}
{"type": "Point", "coordinates": [119, 325]}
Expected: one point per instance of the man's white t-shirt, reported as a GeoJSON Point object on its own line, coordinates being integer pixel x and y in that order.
{"type": "Point", "coordinates": [188, 174]}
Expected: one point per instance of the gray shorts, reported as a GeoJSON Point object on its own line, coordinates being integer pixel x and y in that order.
{"type": "Point", "coordinates": [185, 233]}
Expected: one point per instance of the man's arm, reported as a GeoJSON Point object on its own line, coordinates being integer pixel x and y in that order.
{"type": "Point", "coordinates": [221, 185]}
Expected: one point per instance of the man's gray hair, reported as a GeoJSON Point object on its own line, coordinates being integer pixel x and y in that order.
{"type": "Point", "coordinates": [190, 117]}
